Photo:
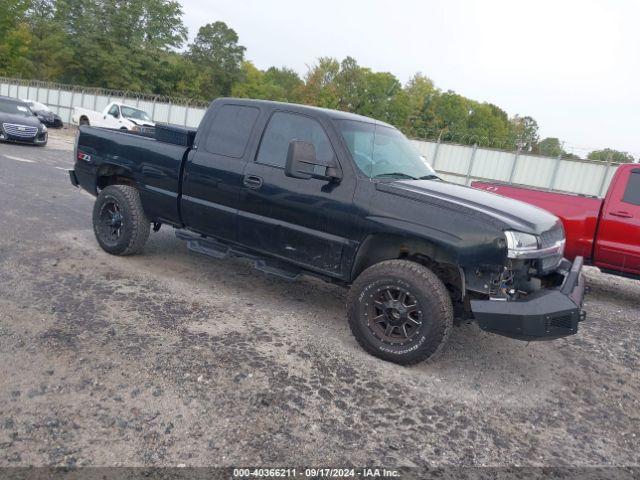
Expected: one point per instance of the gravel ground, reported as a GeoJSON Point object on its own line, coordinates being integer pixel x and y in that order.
{"type": "Point", "coordinates": [170, 358]}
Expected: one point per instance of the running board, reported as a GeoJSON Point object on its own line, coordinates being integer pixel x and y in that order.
{"type": "Point", "coordinates": [219, 250]}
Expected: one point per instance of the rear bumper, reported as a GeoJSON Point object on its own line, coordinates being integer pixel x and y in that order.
{"type": "Point", "coordinates": [543, 315]}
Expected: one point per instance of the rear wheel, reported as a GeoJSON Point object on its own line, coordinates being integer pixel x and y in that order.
{"type": "Point", "coordinates": [400, 311]}
{"type": "Point", "coordinates": [84, 121]}
{"type": "Point", "coordinates": [119, 222]}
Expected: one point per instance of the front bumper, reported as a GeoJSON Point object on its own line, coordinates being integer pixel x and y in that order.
{"type": "Point", "coordinates": [39, 139]}
{"type": "Point", "coordinates": [543, 315]}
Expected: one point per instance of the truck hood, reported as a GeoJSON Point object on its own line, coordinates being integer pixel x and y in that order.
{"type": "Point", "coordinates": [502, 212]}
{"type": "Point", "coordinates": [141, 123]}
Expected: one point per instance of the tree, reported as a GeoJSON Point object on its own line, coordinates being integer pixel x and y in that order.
{"type": "Point", "coordinates": [487, 124]}
{"type": "Point", "coordinates": [287, 80]}
{"type": "Point", "coordinates": [382, 98]}
{"type": "Point", "coordinates": [447, 114]}
{"type": "Point", "coordinates": [320, 88]}
{"type": "Point", "coordinates": [419, 91]}
{"type": "Point", "coordinates": [610, 155]}
{"type": "Point", "coordinates": [550, 147]}
{"type": "Point", "coordinates": [216, 52]}
{"type": "Point", "coordinates": [15, 38]}
{"type": "Point", "coordinates": [524, 132]}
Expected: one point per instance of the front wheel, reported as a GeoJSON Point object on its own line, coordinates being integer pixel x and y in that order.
{"type": "Point", "coordinates": [400, 311]}
{"type": "Point", "coordinates": [119, 222]}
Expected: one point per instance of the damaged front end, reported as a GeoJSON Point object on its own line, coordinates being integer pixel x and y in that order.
{"type": "Point", "coordinates": [536, 295]}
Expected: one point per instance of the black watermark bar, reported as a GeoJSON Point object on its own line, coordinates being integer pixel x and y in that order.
{"type": "Point", "coordinates": [236, 473]}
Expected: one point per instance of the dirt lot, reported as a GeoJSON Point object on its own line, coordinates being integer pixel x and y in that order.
{"type": "Point", "coordinates": [170, 358]}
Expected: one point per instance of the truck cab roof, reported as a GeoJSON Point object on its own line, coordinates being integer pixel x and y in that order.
{"type": "Point", "coordinates": [294, 107]}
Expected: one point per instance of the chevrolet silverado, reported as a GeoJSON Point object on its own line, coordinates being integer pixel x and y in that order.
{"type": "Point", "coordinates": [304, 190]}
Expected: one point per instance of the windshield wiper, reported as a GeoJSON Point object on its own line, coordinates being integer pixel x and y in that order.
{"type": "Point", "coordinates": [395, 174]}
{"type": "Point", "coordinates": [430, 177]}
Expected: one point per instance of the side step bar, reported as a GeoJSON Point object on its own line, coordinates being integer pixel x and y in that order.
{"type": "Point", "coordinates": [219, 250]}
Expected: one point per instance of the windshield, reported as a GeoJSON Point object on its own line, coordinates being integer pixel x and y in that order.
{"type": "Point", "coordinates": [383, 152]}
{"type": "Point", "coordinates": [130, 112]}
{"type": "Point", "coordinates": [14, 108]}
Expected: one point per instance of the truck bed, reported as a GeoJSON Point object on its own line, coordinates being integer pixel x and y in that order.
{"type": "Point", "coordinates": [155, 167]}
{"type": "Point", "coordinates": [579, 214]}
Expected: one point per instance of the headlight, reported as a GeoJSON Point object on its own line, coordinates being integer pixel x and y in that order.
{"type": "Point", "coordinates": [521, 245]}
{"type": "Point", "coordinates": [44, 128]}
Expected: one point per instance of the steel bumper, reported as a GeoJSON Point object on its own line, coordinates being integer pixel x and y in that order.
{"type": "Point", "coordinates": [543, 315]}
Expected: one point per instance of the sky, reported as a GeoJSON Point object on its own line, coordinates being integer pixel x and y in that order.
{"type": "Point", "coordinates": [573, 65]}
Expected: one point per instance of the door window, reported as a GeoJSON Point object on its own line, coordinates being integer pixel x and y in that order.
{"type": "Point", "coordinates": [285, 127]}
{"type": "Point", "coordinates": [231, 130]}
{"type": "Point", "coordinates": [632, 192]}
{"type": "Point", "coordinates": [113, 111]}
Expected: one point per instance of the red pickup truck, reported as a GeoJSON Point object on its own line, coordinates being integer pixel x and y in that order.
{"type": "Point", "coordinates": [605, 231]}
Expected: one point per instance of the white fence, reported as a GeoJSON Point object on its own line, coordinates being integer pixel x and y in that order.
{"type": "Point", "coordinates": [62, 98]}
{"type": "Point", "coordinates": [464, 164]}
{"type": "Point", "coordinates": [456, 163]}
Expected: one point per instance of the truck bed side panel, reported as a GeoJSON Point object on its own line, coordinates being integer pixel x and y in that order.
{"type": "Point", "coordinates": [579, 214]}
{"type": "Point", "coordinates": [154, 167]}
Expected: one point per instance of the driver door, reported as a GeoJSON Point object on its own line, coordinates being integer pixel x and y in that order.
{"type": "Point", "coordinates": [310, 222]}
{"type": "Point", "coordinates": [113, 118]}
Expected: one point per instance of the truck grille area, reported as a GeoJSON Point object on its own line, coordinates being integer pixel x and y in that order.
{"type": "Point", "coordinates": [549, 239]}
{"type": "Point", "coordinates": [19, 131]}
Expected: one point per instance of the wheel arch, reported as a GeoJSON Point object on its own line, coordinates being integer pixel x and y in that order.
{"type": "Point", "coordinates": [440, 258]}
{"type": "Point", "coordinates": [110, 174]}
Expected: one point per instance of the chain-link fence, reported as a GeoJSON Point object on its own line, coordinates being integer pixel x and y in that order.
{"type": "Point", "coordinates": [457, 159]}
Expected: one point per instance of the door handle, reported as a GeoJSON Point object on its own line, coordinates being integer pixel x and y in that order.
{"type": "Point", "coordinates": [252, 181]}
{"type": "Point", "coordinates": [621, 214]}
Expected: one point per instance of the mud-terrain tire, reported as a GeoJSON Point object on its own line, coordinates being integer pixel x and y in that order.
{"type": "Point", "coordinates": [400, 311]}
{"type": "Point", "coordinates": [119, 222]}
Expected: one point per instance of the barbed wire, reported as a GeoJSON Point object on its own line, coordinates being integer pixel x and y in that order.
{"type": "Point", "coordinates": [509, 144]}
{"type": "Point", "coordinates": [106, 92]}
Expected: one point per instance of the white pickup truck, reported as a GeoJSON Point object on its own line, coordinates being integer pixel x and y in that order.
{"type": "Point", "coordinates": [114, 115]}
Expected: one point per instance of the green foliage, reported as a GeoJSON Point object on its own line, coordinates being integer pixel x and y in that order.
{"type": "Point", "coordinates": [275, 84]}
{"type": "Point", "coordinates": [139, 46]}
{"type": "Point", "coordinates": [15, 38]}
{"type": "Point", "coordinates": [218, 56]}
{"type": "Point", "coordinates": [551, 147]}
{"type": "Point", "coordinates": [524, 133]}
{"type": "Point", "coordinates": [610, 155]}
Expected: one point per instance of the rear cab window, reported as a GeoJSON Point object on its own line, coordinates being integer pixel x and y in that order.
{"type": "Point", "coordinates": [230, 130]}
{"type": "Point", "coordinates": [632, 192]}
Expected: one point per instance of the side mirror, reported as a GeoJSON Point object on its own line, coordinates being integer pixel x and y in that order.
{"type": "Point", "coordinates": [302, 163]}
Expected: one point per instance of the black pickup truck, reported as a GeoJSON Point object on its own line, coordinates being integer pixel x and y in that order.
{"type": "Point", "coordinates": [304, 190]}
